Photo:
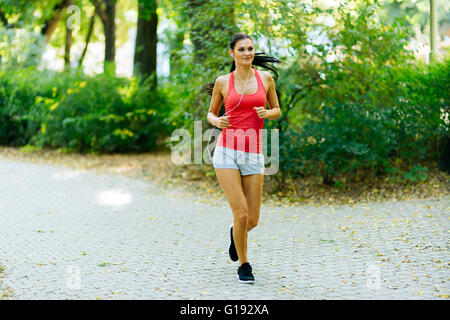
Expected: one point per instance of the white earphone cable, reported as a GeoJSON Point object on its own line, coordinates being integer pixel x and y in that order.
{"type": "Point", "coordinates": [227, 112]}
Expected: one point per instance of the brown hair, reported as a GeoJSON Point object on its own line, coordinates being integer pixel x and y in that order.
{"type": "Point", "coordinates": [260, 59]}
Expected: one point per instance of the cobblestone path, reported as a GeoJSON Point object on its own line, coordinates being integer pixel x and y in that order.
{"type": "Point", "coordinates": [69, 234]}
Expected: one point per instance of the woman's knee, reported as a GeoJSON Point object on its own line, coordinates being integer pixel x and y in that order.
{"type": "Point", "coordinates": [251, 223]}
{"type": "Point", "coordinates": [242, 216]}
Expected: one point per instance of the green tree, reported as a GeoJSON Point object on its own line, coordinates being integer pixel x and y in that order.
{"type": "Point", "coordinates": [146, 40]}
{"type": "Point", "coordinates": [106, 9]}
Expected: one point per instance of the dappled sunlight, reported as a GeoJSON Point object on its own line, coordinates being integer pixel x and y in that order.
{"type": "Point", "coordinates": [66, 174]}
{"type": "Point", "coordinates": [113, 198]}
{"type": "Point", "coordinates": [125, 168]}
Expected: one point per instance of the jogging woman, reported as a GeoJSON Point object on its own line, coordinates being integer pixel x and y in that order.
{"type": "Point", "coordinates": [238, 158]}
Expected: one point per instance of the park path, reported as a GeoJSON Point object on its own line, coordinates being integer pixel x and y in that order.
{"type": "Point", "coordinates": [68, 234]}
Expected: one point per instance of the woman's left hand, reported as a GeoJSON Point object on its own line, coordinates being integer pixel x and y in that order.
{"type": "Point", "coordinates": [261, 111]}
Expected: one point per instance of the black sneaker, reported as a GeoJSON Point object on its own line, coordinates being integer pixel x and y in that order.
{"type": "Point", "coordinates": [245, 274]}
{"type": "Point", "coordinates": [232, 250]}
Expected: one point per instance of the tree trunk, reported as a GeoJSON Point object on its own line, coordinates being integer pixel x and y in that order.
{"type": "Point", "coordinates": [50, 25]}
{"type": "Point", "coordinates": [88, 39]}
{"type": "Point", "coordinates": [108, 15]}
{"type": "Point", "coordinates": [110, 31]}
{"type": "Point", "coordinates": [68, 44]}
{"type": "Point", "coordinates": [67, 48]}
{"type": "Point", "coordinates": [433, 30]}
{"type": "Point", "coordinates": [146, 40]}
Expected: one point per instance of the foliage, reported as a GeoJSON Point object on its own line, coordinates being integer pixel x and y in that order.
{"type": "Point", "coordinates": [370, 105]}
{"type": "Point", "coordinates": [80, 113]}
{"type": "Point", "coordinates": [343, 137]}
{"type": "Point", "coordinates": [20, 48]}
{"type": "Point", "coordinates": [352, 97]}
{"type": "Point", "coordinates": [417, 12]}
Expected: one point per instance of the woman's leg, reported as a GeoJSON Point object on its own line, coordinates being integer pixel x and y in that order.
{"type": "Point", "coordinates": [231, 182]}
{"type": "Point", "coordinates": [252, 186]}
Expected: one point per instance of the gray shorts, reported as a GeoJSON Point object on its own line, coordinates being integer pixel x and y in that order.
{"type": "Point", "coordinates": [246, 162]}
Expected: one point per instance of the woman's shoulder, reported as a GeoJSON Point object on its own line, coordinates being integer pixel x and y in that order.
{"type": "Point", "coordinates": [223, 79]}
{"type": "Point", "coordinates": [265, 74]}
{"type": "Point", "coordinates": [266, 78]}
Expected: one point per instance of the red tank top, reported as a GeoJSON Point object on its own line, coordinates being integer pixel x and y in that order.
{"type": "Point", "coordinates": [245, 132]}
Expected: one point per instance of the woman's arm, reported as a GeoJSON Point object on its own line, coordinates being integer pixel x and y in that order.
{"type": "Point", "coordinates": [274, 112]}
{"type": "Point", "coordinates": [214, 107]}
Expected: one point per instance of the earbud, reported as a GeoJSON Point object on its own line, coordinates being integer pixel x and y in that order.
{"type": "Point", "coordinates": [232, 55]}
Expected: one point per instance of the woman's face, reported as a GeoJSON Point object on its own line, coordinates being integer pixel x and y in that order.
{"type": "Point", "coordinates": [243, 52]}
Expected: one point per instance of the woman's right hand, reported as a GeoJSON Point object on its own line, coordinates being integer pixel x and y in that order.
{"type": "Point", "coordinates": [223, 122]}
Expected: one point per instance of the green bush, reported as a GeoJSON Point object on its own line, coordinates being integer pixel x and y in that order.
{"type": "Point", "coordinates": [17, 97]}
{"type": "Point", "coordinates": [80, 113]}
{"type": "Point", "coordinates": [422, 101]}
{"type": "Point", "coordinates": [345, 137]}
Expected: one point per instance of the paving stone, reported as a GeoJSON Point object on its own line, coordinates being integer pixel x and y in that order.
{"type": "Point", "coordinates": [92, 235]}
